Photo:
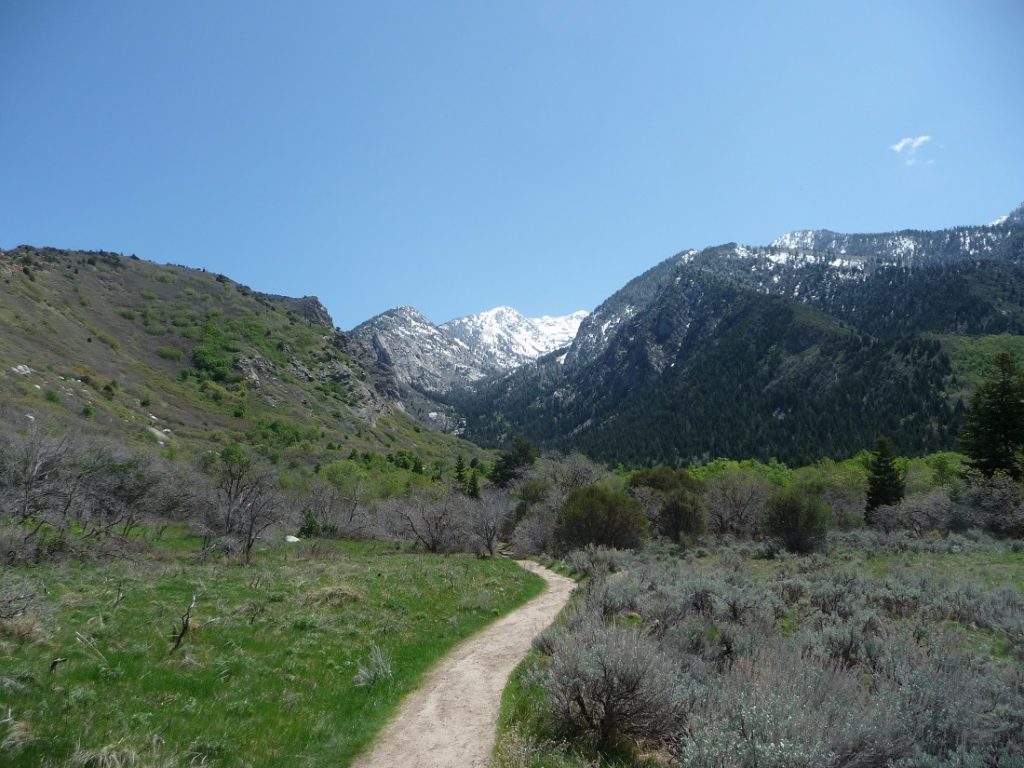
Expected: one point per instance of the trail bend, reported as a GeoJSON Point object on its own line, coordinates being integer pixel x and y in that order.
{"type": "Point", "coordinates": [450, 720]}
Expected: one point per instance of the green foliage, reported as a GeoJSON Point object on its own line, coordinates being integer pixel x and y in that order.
{"type": "Point", "coordinates": [682, 509]}
{"type": "Point", "coordinates": [281, 433]}
{"type": "Point", "coordinates": [169, 353]}
{"type": "Point", "coordinates": [886, 484]}
{"type": "Point", "coordinates": [473, 485]}
{"type": "Point", "coordinates": [512, 462]}
{"type": "Point", "coordinates": [215, 357]}
{"type": "Point", "coordinates": [797, 518]}
{"type": "Point", "coordinates": [600, 516]}
{"type": "Point", "coordinates": [993, 433]}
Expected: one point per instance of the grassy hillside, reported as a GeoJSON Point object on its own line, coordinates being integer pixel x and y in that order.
{"type": "Point", "coordinates": [187, 359]}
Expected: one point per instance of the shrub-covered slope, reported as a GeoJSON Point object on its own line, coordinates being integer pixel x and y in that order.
{"type": "Point", "coordinates": [187, 358]}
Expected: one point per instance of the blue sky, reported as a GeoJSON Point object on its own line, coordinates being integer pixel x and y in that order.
{"type": "Point", "coordinates": [457, 156]}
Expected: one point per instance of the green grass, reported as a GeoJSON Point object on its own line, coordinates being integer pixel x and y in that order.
{"type": "Point", "coordinates": [267, 678]}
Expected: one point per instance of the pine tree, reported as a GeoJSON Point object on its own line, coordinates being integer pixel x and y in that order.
{"type": "Point", "coordinates": [460, 471]}
{"type": "Point", "coordinates": [993, 433]}
{"type": "Point", "coordinates": [473, 486]}
{"type": "Point", "coordinates": [885, 481]}
{"type": "Point", "coordinates": [512, 462]}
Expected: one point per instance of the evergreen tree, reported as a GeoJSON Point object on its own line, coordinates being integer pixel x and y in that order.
{"type": "Point", "coordinates": [993, 433]}
{"type": "Point", "coordinates": [473, 486]}
{"type": "Point", "coordinates": [460, 471]}
{"type": "Point", "coordinates": [511, 463]}
{"type": "Point", "coordinates": [885, 481]}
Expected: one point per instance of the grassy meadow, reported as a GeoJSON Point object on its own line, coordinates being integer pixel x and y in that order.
{"type": "Point", "coordinates": [297, 660]}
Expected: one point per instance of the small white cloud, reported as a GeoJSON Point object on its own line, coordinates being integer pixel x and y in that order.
{"type": "Point", "coordinates": [910, 143]}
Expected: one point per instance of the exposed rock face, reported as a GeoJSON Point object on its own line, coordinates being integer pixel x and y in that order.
{"type": "Point", "coordinates": [433, 359]}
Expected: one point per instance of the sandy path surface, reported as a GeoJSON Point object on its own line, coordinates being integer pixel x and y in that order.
{"type": "Point", "coordinates": [450, 720]}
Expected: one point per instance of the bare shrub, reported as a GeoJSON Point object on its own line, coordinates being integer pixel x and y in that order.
{"type": "Point", "coordinates": [612, 684]}
{"type": "Point", "coordinates": [933, 511]}
{"type": "Point", "coordinates": [435, 524]}
{"type": "Point", "coordinates": [247, 501]}
{"type": "Point", "coordinates": [994, 503]}
{"type": "Point", "coordinates": [486, 519]}
{"type": "Point", "coordinates": [735, 503]}
{"type": "Point", "coordinates": [575, 471]}
{"type": "Point", "coordinates": [336, 512]}
{"type": "Point", "coordinates": [535, 533]}
{"type": "Point", "coordinates": [31, 473]}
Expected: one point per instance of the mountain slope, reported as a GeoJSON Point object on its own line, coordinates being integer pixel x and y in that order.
{"type": "Point", "coordinates": [185, 358]}
{"type": "Point", "coordinates": [805, 348]}
{"type": "Point", "coordinates": [434, 358]}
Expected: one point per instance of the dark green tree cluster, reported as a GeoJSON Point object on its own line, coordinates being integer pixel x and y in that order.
{"type": "Point", "coordinates": [682, 509]}
{"type": "Point", "coordinates": [597, 515]}
{"type": "Point", "coordinates": [797, 518]}
{"type": "Point", "coordinates": [993, 433]}
{"type": "Point", "coordinates": [512, 462]}
{"type": "Point", "coordinates": [886, 483]}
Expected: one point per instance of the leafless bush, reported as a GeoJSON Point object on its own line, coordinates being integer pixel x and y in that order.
{"type": "Point", "coordinates": [31, 473]}
{"type": "Point", "coordinates": [535, 533]}
{"type": "Point", "coordinates": [575, 471]}
{"type": "Point", "coordinates": [995, 504]}
{"type": "Point", "coordinates": [247, 501]}
{"type": "Point", "coordinates": [435, 524]}
{"type": "Point", "coordinates": [846, 506]}
{"type": "Point", "coordinates": [338, 511]}
{"type": "Point", "coordinates": [921, 514]}
{"type": "Point", "coordinates": [735, 503]}
{"type": "Point", "coordinates": [60, 495]}
{"type": "Point", "coordinates": [486, 519]}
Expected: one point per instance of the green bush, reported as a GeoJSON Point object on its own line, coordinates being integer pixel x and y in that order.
{"type": "Point", "coordinates": [169, 353]}
{"type": "Point", "coordinates": [602, 517]}
{"type": "Point", "coordinates": [797, 518]}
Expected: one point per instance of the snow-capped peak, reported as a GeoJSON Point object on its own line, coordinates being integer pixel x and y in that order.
{"type": "Point", "coordinates": [508, 338]}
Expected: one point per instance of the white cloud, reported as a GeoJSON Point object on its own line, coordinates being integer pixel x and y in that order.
{"type": "Point", "coordinates": [910, 143]}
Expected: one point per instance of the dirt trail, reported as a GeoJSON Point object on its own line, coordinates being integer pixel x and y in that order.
{"type": "Point", "coordinates": [450, 720]}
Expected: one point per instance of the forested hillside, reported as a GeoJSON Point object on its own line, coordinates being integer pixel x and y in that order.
{"type": "Point", "coordinates": [806, 348]}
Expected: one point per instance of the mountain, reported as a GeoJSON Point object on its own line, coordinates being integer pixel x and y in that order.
{"type": "Point", "coordinates": [183, 358]}
{"type": "Point", "coordinates": [432, 359]}
{"type": "Point", "coordinates": [804, 348]}
{"type": "Point", "coordinates": [506, 339]}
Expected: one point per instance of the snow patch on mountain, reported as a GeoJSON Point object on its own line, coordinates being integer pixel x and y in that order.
{"type": "Point", "coordinates": [507, 339]}
{"type": "Point", "coordinates": [434, 358]}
